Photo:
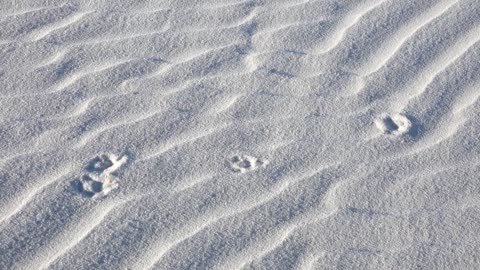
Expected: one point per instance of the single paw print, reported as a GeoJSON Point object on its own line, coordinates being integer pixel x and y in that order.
{"type": "Point", "coordinates": [99, 179]}
{"type": "Point", "coordinates": [397, 124]}
{"type": "Point", "coordinates": [244, 163]}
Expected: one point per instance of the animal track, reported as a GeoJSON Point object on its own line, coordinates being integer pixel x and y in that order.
{"type": "Point", "coordinates": [397, 124]}
{"type": "Point", "coordinates": [94, 187]}
{"type": "Point", "coordinates": [243, 163]}
{"type": "Point", "coordinates": [99, 164]}
{"type": "Point", "coordinates": [99, 179]}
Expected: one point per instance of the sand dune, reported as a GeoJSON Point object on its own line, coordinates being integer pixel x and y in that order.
{"type": "Point", "coordinates": [240, 134]}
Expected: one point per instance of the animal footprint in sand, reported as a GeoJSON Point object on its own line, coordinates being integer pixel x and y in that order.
{"type": "Point", "coordinates": [99, 179]}
{"type": "Point", "coordinates": [397, 124]}
{"type": "Point", "coordinates": [94, 187]}
{"type": "Point", "coordinates": [243, 163]}
{"type": "Point", "coordinates": [99, 164]}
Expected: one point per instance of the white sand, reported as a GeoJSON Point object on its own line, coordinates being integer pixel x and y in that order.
{"type": "Point", "coordinates": [229, 134]}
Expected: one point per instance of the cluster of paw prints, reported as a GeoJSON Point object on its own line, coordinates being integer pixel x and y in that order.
{"type": "Point", "coordinates": [99, 179]}
{"type": "Point", "coordinates": [394, 125]}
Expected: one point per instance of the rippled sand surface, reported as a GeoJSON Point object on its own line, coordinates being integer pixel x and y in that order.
{"type": "Point", "coordinates": [229, 134]}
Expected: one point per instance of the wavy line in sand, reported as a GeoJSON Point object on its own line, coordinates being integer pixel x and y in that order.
{"type": "Point", "coordinates": [74, 236]}
{"type": "Point", "coordinates": [468, 99]}
{"type": "Point", "coordinates": [25, 11]}
{"type": "Point", "coordinates": [59, 55]}
{"type": "Point", "coordinates": [275, 242]}
{"type": "Point", "coordinates": [111, 39]}
{"type": "Point", "coordinates": [346, 24]}
{"type": "Point", "coordinates": [224, 4]}
{"type": "Point", "coordinates": [155, 254]}
{"type": "Point", "coordinates": [91, 135]}
{"type": "Point", "coordinates": [45, 31]}
{"type": "Point", "coordinates": [192, 183]}
{"type": "Point", "coordinates": [23, 199]}
{"type": "Point", "coordinates": [262, 250]}
{"type": "Point", "coordinates": [183, 139]}
{"type": "Point", "coordinates": [331, 208]}
{"type": "Point", "coordinates": [237, 24]}
{"type": "Point", "coordinates": [71, 79]}
{"type": "Point", "coordinates": [445, 61]}
{"type": "Point", "coordinates": [394, 43]}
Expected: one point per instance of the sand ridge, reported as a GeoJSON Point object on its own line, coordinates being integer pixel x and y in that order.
{"type": "Point", "coordinates": [239, 134]}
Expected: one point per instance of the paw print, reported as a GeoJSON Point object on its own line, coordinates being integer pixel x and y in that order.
{"type": "Point", "coordinates": [99, 179]}
{"type": "Point", "coordinates": [99, 164]}
{"type": "Point", "coordinates": [397, 124]}
{"type": "Point", "coordinates": [244, 163]}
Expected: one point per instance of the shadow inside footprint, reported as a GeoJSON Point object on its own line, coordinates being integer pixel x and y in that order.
{"type": "Point", "coordinates": [396, 124]}
{"type": "Point", "coordinates": [99, 164]}
{"type": "Point", "coordinates": [390, 125]}
{"type": "Point", "coordinates": [246, 164]}
{"type": "Point", "coordinates": [88, 187]}
{"type": "Point", "coordinates": [242, 164]}
{"type": "Point", "coordinates": [78, 186]}
{"type": "Point", "coordinates": [99, 178]}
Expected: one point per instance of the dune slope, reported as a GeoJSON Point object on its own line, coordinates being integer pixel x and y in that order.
{"type": "Point", "coordinates": [240, 134]}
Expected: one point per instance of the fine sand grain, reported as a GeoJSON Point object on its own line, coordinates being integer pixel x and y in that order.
{"type": "Point", "coordinates": [240, 134]}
